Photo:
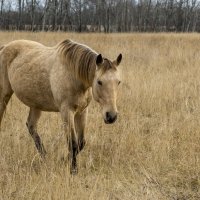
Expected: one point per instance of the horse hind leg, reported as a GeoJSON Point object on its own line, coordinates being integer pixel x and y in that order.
{"type": "Point", "coordinates": [5, 91]}
{"type": "Point", "coordinates": [31, 123]}
{"type": "Point", "coordinates": [5, 95]}
{"type": "Point", "coordinates": [5, 87]}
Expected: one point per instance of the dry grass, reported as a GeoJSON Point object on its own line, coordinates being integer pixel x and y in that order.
{"type": "Point", "coordinates": [152, 152]}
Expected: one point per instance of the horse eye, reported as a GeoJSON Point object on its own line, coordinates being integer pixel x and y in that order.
{"type": "Point", "coordinates": [99, 82]}
{"type": "Point", "coordinates": [119, 82]}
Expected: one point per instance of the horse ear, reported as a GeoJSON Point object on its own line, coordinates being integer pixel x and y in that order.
{"type": "Point", "coordinates": [119, 59]}
{"type": "Point", "coordinates": [99, 60]}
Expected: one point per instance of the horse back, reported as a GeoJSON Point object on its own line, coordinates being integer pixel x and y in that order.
{"type": "Point", "coordinates": [12, 50]}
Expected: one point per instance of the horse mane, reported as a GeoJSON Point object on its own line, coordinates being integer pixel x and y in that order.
{"type": "Point", "coordinates": [79, 58]}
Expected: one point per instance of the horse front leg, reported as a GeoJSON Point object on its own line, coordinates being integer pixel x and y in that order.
{"type": "Point", "coordinates": [70, 135]}
{"type": "Point", "coordinates": [80, 122]}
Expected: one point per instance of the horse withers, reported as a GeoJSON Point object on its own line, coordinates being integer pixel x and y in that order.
{"type": "Point", "coordinates": [61, 79]}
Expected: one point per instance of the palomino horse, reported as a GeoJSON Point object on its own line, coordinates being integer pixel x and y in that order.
{"type": "Point", "coordinates": [59, 79]}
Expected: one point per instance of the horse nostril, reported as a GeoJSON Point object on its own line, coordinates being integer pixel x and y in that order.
{"type": "Point", "coordinates": [107, 115]}
{"type": "Point", "coordinates": [110, 118]}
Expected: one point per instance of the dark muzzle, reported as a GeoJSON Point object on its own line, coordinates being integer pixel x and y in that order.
{"type": "Point", "coordinates": [110, 118]}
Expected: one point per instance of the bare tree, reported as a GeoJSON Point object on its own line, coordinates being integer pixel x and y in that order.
{"type": "Point", "coordinates": [112, 15]}
{"type": "Point", "coordinates": [45, 10]}
{"type": "Point", "coordinates": [20, 9]}
{"type": "Point", "coordinates": [2, 4]}
{"type": "Point", "coordinates": [33, 5]}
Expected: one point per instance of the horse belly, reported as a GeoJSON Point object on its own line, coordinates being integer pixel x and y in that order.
{"type": "Point", "coordinates": [31, 86]}
{"type": "Point", "coordinates": [38, 101]}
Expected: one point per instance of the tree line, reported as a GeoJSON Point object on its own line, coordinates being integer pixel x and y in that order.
{"type": "Point", "coordinates": [100, 15]}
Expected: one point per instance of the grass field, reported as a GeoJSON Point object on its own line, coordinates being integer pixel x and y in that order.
{"type": "Point", "coordinates": [151, 153]}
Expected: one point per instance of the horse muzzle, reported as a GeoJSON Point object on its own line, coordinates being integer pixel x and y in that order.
{"type": "Point", "coordinates": [110, 117]}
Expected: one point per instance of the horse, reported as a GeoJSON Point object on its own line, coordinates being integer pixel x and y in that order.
{"type": "Point", "coordinates": [62, 78]}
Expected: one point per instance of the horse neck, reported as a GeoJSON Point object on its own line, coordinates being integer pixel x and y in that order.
{"type": "Point", "coordinates": [91, 75]}
{"type": "Point", "coordinates": [81, 60]}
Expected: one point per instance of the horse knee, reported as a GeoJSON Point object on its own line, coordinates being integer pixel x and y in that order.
{"type": "Point", "coordinates": [29, 127]}
{"type": "Point", "coordinates": [78, 146]}
{"type": "Point", "coordinates": [32, 132]}
{"type": "Point", "coordinates": [38, 143]}
{"type": "Point", "coordinates": [81, 144]}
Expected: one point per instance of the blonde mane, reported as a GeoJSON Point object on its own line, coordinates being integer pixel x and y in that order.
{"type": "Point", "coordinates": [79, 58]}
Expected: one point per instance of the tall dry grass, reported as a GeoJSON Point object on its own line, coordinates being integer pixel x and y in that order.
{"type": "Point", "coordinates": [152, 152]}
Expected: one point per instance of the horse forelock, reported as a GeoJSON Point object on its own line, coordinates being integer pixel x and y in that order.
{"type": "Point", "coordinates": [107, 65]}
{"type": "Point", "coordinates": [79, 58]}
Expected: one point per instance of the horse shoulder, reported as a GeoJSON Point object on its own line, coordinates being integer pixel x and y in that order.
{"type": "Point", "coordinates": [60, 83]}
{"type": "Point", "coordinates": [82, 99]}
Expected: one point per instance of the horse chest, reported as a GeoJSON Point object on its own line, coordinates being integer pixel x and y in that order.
{"type": "Point", "coordinates": [82, 101]}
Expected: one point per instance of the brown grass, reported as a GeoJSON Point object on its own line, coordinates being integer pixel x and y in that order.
{"type": "Point", "coordinates": [152, 152]}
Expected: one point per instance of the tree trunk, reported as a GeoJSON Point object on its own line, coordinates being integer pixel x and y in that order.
{"type": "Point", "coordinates": [126, 17]}
{"type": "Point", "coordinates": [2, 3]}
{"type": "Point", "coordinates": [108, 19]}
{"type": "Point", "coordinates": [32, 14]}
{"type": "Point", "coordinates": [80, 16]}
{"type": "Point", "coordinates": [19, 14]}
{"type": "Point", "coordinates": [180, 17]}
{"type": "Point", "coordinates": [147, 16]}
{"type": "Point", "coordinates": [46, 7]}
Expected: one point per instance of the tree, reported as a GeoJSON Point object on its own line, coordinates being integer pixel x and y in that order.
{"type": "Point", "coordinates": [2, 4]}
